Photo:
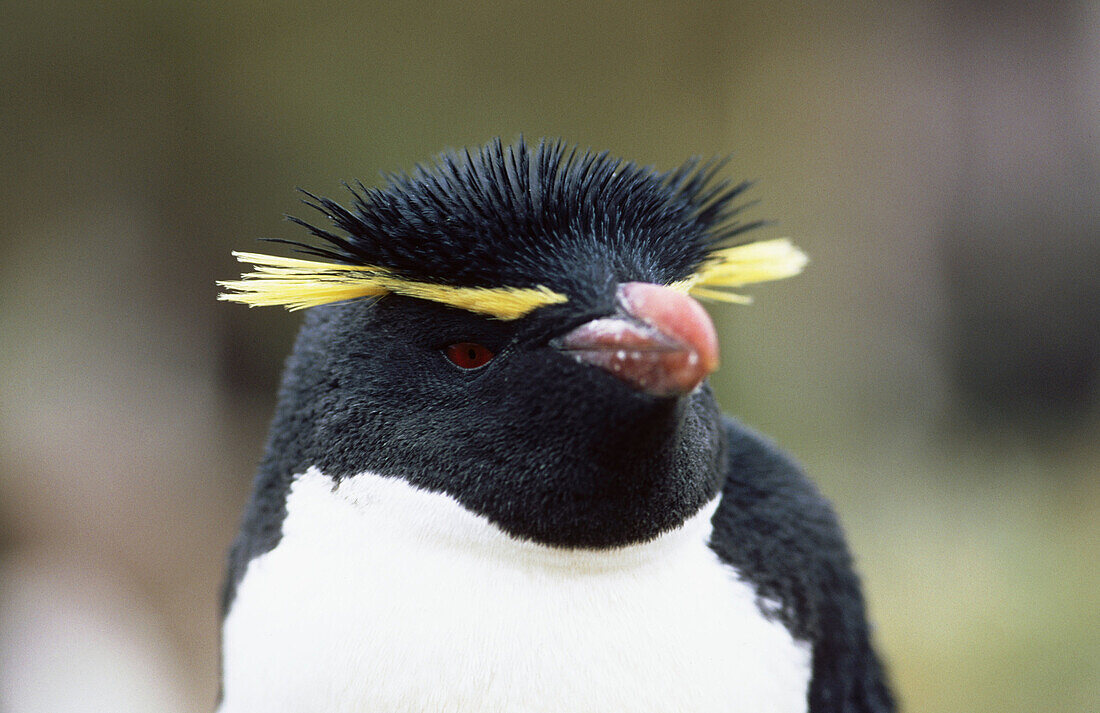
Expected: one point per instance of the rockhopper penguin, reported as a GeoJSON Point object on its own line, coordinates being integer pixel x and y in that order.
{"type": "Point", "coordinates": [497, 479]}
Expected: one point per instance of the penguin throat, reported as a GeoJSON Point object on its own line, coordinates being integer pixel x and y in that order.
{"type": "Point", "coordinates": [413, 513]}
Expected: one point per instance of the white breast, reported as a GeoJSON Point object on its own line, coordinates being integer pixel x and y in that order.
{"type": "Point", "coordinates": [384, 598]}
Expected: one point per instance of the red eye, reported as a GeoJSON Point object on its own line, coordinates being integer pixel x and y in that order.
{"type": "Point", "coordinates": [468, 355]}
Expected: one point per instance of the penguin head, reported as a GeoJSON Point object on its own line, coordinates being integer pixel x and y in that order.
{"type": "Point", "coordinates": [514, 328]}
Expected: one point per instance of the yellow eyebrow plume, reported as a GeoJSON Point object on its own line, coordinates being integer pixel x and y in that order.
{"type": "Point", "coordinates": [297, 284]}
{"type": "Point", "coordinates": [744, 265]}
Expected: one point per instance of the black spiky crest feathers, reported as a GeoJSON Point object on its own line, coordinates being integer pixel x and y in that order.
{"type": "Point", "coordinates": [510, 216]}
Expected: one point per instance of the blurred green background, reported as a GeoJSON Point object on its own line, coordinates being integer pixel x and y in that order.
{"type": "Point", "coordinates": [936, 368]}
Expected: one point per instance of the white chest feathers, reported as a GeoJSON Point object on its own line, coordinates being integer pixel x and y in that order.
{"type": "Point", "coordinates": [381, 598]}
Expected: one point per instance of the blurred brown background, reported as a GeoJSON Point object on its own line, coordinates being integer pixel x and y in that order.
{"type": "Point", "coordinates": [936, 368]}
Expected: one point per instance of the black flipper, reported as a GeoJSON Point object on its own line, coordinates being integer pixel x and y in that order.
{"type": "Point", "coordinates": [782, 536]}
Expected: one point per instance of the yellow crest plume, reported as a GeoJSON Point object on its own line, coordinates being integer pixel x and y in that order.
{"type": "Point", "coordinates": [744, 265]}
{"type": "Point", "coordinates": [297, 284]}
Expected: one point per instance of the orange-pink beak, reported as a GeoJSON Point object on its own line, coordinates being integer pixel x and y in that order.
{"type": "Point", "coordinates": [664, 345]}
